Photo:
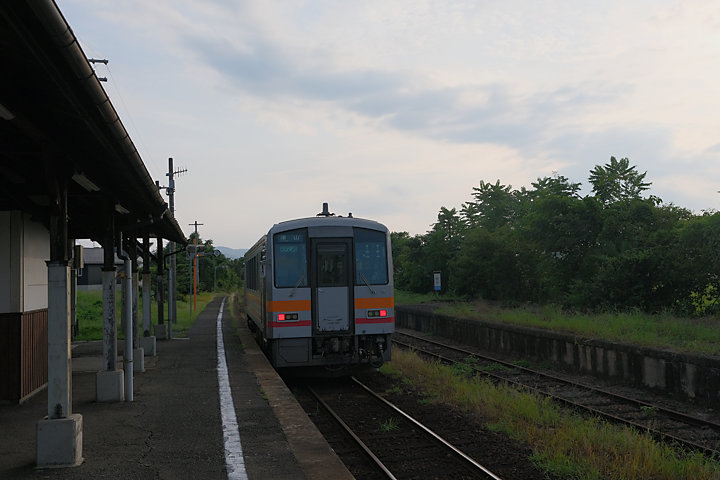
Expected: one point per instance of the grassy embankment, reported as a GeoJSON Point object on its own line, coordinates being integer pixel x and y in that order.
{"type": "Point", "coordinates": [89, 313]}
{"type": "Point", "coordinates": [564, 443]}
{"type": "Point", "coordinates": [665, 331]}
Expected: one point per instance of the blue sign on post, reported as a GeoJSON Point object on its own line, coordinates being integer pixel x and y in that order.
{"type": "Point", "coordinates": [437, 281]}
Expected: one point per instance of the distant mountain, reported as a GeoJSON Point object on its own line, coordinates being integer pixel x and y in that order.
{"type": "Point", "coordinates": [232, 252]}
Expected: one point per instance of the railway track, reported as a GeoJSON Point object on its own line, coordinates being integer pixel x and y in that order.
{"type": "Point", "coordinates": [399, 446]}
{"type": "Point", "coordinates": [665, 424]}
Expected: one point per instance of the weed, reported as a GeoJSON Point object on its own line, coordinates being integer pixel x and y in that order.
{"type": "Point", "coordinates": [394, 391]}
{"type": "Point", "coordinates": [389, 425]}
{"type": "Point", "coordinates": [494, 367]}
{"type": "Point", "coordinates": [565, 444]}
{"type": "Point", "coordinates": [648, 411]}
{"type": "Point", "coordinates": [467, 367]}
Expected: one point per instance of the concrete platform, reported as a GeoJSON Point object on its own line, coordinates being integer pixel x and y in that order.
{"type": "Point", "coordinates": [173, 428]}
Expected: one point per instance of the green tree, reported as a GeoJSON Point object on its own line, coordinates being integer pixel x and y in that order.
{"type": "Point", "coordinates": [494, 206]}
{"type": "Point", "coordinates": [554, 186]}
{"type": "Point", "coordinates": [487, 266]}
{"type": "Point", "coordinates": [408, 262]}
{"type": "Point", "coordinates": [617, 181]}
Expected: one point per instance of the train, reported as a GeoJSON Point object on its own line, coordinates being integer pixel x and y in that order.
{"type": "Point", "coordinates": [319, 293]}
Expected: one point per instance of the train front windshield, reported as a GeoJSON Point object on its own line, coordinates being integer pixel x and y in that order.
{"type": "Point", "coordinates": [370, 257]}
{"type": "Point", "coordinates": [291, 258]}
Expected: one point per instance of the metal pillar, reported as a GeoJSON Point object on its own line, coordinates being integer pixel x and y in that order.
{"type": "Point", "coordinates": [161, 328]}
{"type": "Point", "coordinates": [133, 254]}
{"type": "Point", "coordinates": [138, 349]}
{"type": "Point", "coordinates": [161, 282]}
{"type": "Point", "coordinates": [127, 313]}
{"type": "Point", "coordinates": [74, 327]}
{"type": "Point", "coordinates": [148, 341]}
{"type": "Point", "coordinates": [171, 292]}
{"type": "Point", "coordinates": [146, 282]}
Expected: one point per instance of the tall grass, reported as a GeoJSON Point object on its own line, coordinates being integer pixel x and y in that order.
{"type": "Point", "coordinates": [563, 443]}
{"type": "Point", "coordinates": [89, 311]}
{"type": "Point", "coordinates": [661, 331]}
{"type": "Point", "coordinates": [664, 331]}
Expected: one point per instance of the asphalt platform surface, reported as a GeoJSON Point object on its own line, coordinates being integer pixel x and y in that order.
{"type": "Point", "coordinates": [173, 428]}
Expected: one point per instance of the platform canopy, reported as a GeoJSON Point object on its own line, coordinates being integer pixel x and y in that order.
{"type": "Point", "coordinates": [58, 127]}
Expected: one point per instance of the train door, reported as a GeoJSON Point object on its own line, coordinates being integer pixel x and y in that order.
{"type": "Point", "coordinates": [332, 286]}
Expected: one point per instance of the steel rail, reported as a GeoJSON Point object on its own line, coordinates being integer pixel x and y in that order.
{"type": "Point", "coordinates": [434, 435]}
{"type": "Point", "coordinates": [672, 413]}
{"type": "Point", "coordinates": [657, 434]}
{"type": "Point", "coordinates": [357, 439]}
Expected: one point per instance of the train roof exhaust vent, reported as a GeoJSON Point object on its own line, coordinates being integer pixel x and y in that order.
{"type": "Point", "coordinates": [325, 212]}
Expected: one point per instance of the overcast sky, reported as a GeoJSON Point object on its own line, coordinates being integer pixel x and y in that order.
{"type": "Point", "coordinates": [393, 109]}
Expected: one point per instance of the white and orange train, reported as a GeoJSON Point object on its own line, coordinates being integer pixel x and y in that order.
{"type": "Point", "coordinates": [319, 292]}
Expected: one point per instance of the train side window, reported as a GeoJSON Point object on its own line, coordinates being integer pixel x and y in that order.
{"type": "Point", "coordinates": [370, 257]}
{"type": "Point", "coordinates": [290, 263]}
{"type": "Point", "coordinates": [250, 274]}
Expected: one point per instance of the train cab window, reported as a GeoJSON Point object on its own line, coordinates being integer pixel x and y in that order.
{"type": "Point", "coordinates": [331, 266]}
{"type": "Point", "coordinates": [370, 257]}
{"type": "Point", "coordinates": [290, 265]}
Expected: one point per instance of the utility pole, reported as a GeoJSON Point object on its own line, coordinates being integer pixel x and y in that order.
{"type": "Point", "coordinates": [194, 263]}
{"type": "Point", "coordinates": [172, 274]}
{"type": "Point", "coordinates": [172, 295]}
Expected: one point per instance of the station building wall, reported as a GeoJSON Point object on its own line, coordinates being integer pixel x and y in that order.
{"type": "Point", "coordinates": [24, 249]}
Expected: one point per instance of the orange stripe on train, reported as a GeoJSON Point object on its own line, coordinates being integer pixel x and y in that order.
{"type": "Point", "coordinates": [288, 305]}
{"type": "Point", "coordinates": [381, 302]}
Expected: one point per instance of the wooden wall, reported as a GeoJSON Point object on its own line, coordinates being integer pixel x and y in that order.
{"type": "Point", "coordinates": [23, 354]}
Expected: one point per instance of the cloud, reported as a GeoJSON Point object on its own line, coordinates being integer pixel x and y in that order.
{"type": "Point", "coordinates": [393, 109]}
{"type": "Point", "coordinates": [399, 99]}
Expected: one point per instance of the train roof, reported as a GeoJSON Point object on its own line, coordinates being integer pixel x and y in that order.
{"type": "Point", "coordinates": [320, 225]}
{"type": "Point", "coordinates": [327, 221]}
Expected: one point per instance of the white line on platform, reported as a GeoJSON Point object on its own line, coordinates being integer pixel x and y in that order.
{"type": "Point", "coordinates": [234, 461]}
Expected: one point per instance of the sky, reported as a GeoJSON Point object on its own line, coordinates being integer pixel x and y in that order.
{"type": "Point", "coordinates": [393, 109]}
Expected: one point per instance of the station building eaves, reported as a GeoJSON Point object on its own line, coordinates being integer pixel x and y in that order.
{"type": "Point", "coordinates": [58, 127]}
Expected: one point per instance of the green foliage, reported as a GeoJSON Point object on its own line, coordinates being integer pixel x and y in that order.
{"type": "Point", "coordinates": [467, 367]}
{"type": "Point", "coordinates": [389, 425]}
{"type": "Point", "coordinates": [613, 250]}
{"type": "Point", "coordinates": [89, 311]}
{"type": "Point", "coordinates": [215, 272]}
{"type": "Point", "coordinates": [564, 444]}
{"type": "Point", "coordinates": [617, 181]}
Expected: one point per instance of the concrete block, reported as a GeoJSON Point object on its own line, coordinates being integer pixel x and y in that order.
{"type": "Point", "coordinates": [161, 332]}
{"type": "Point", "coordinates": [149, 346]}
{"type": "Point", "coordinates": [59, 442]}
{"type": "Point", "coordinates": [110, 386]}
{"type": "Point", "coordinates": [138, 360]}
{"type": "Point", "coordinates": [654, 372]}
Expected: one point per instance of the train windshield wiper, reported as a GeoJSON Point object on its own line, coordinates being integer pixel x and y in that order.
{"type": "Point", "coordinates": [300, 280]}
{"type": "Point", "coordinates": [366, 283]}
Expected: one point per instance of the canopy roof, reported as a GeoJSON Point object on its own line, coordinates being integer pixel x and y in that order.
{"type": "Point", "coordinates": [57, 126]}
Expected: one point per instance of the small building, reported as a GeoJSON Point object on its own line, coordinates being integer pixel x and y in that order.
{"type": "Point", "coordinates": [90, 276]}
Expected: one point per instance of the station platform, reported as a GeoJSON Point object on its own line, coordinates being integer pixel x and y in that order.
{"type": "Point", "coordinates": [173, 427]}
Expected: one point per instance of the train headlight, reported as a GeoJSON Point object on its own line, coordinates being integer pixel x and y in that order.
{"type": "Point", "coordinates": [376, 313]}
{"type": "Point", "coordinates": [287, 316]}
